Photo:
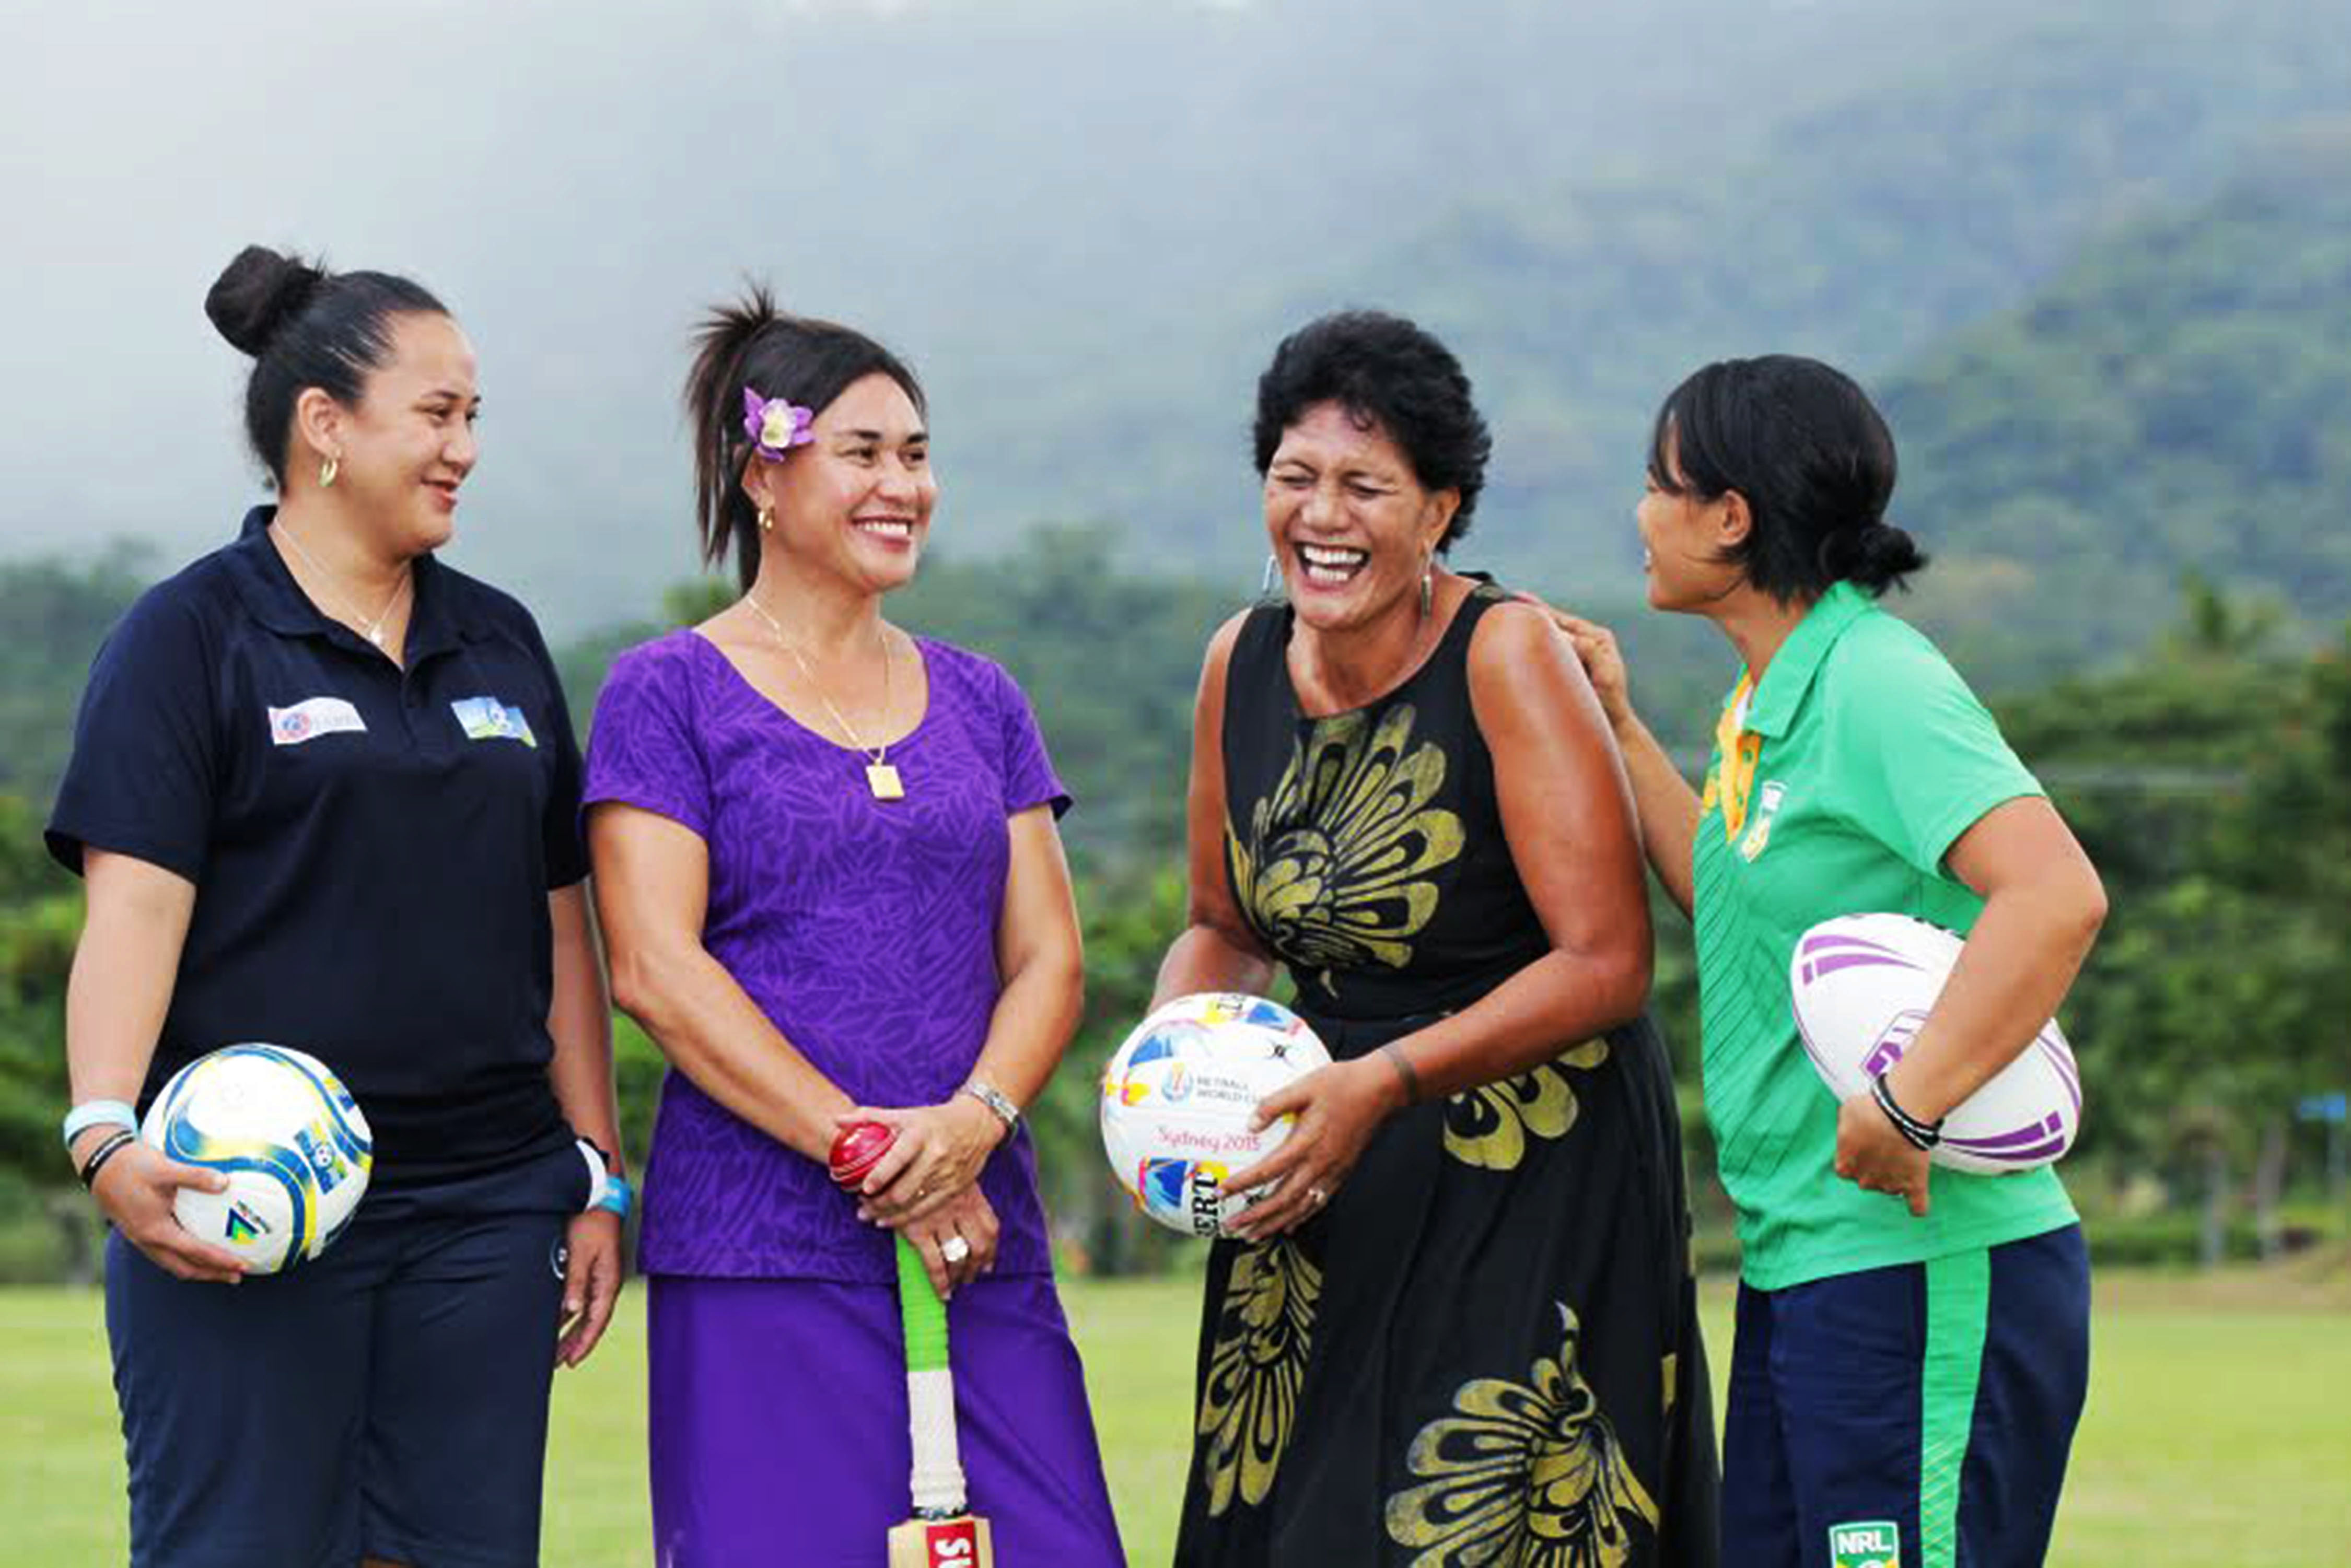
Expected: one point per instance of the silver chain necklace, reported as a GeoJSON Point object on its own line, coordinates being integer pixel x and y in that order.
{"type": "Point", "coordinates": [371, 630]}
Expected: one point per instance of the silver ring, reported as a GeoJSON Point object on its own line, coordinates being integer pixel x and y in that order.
{"type": "Point", "coordinates": [954, 1249]}
{"type": "Point", "coordinates": [1317, 1196]}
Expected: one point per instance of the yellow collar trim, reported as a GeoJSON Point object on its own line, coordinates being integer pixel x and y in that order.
{"type": "Point", "coordinates": [1737, 748]}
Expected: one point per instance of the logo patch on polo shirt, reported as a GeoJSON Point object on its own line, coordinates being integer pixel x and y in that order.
{"type": "Point", "coordinates": [486, 718]}
{"type": "Point", "coordinates": [1876, 1543]}
{"type": "Point", "coordinates": [1761, 833]}
{"type": "Point", "coordinates": [311, 718]}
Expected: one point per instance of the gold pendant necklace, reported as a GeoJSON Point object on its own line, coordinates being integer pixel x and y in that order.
{"type": "Point", "coordinates": [881, 777]}
{"type": "Point", "coordinates": [371, 630]}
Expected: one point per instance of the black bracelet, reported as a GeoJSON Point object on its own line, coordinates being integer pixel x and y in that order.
{"type": "Point", "coordinates": [105, 1152]}
{"type": "Point", "coordinates": [1921, 1135]}
{"type": "Point", "coordinates": [1405, 1070]}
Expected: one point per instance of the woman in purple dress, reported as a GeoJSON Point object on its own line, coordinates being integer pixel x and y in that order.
{"type": "Point", "coordinates": [827, 866]}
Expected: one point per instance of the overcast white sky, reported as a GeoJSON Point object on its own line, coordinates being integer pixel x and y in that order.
{"type": "Point", "coordinates": [577, 179]}
{"type": "Point", "coordinates": [1032, 198]}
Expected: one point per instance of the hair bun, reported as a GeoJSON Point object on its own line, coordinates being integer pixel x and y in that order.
{"type": "Point", "coordinates": [257, 293]}
{"type": "Point", "coordinates": [1879, 556]}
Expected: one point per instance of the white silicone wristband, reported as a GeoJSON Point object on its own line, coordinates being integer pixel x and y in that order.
{"type": "Point", "coordinates": [98, 1114]}
{"type": "Point", "coordinates": [597, 1175]}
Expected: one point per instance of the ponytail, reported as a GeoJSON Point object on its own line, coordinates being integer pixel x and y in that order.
{"type": "Point", "coordinates": [750, 343]}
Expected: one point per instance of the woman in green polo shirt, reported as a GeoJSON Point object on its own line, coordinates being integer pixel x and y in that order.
{"type": "Point", "coordinates": [1913, 1342]}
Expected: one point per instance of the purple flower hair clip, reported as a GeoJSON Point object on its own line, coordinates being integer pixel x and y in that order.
{"type": "Point", "coordinates": [776, 425]}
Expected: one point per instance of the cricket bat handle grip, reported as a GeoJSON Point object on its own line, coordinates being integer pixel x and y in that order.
{"type": "Point", "coordinates": [936, 1480]}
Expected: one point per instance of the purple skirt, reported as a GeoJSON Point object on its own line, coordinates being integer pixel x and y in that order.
{"type": "Point", "coordinates": [778, 1416]}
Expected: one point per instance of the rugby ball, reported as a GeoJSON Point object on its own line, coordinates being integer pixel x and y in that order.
{"type": "Point", "coordinates": [1862, 984]}
{"type": "Point", "coordinates": [296, 1149]}
{"type": "Point", "coordinates": [1179, 1095]}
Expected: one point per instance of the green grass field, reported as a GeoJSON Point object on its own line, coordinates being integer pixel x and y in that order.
{"type": "Point", "coordinates": [2218, 1431]}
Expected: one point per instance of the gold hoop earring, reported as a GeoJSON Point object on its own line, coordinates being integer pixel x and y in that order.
{"type": "Point", "coordinates": [327, 472]}
{"type": "Point", "coordinates": [766, 521]}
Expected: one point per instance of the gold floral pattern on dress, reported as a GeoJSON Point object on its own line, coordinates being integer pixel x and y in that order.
{"type": "Point", "coordinates": [1265, 1326]}
{"type": "Point", "coordinates": [1522, 1475]}
{"type": "Point", "coordinates": [1488, 1127]}
{"type": "Point", "coordinates": [1335, 870]}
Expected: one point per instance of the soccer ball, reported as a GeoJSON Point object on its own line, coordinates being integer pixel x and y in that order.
{"type": "Point", "coordinates": [288, 1134]}
{"type": "Point", "coordinates": [1862, 984]}
{"type": "Point", "coordinates": [1177, 1097]}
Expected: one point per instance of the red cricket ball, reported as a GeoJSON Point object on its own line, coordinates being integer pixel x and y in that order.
{"type": "Point", "coordinates": [858, 1149]}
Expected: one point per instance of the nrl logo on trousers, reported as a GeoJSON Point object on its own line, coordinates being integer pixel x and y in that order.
{"type": "Point", "coordinates": [1875, 1545]}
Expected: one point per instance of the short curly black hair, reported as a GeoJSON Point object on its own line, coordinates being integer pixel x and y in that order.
{"type": "Point", "coordinates": [1387, 369]}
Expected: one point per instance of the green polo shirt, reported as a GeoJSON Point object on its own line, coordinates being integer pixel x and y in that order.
{"type": "Point", "coordinates": [1855, 765]}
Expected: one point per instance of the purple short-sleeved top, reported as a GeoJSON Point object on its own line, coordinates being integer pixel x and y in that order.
{"type": "Point", "coordinates": [864, 929]}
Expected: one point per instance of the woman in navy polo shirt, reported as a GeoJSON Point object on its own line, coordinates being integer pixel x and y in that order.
{"type": "Point", "coordinates": [324, 793]}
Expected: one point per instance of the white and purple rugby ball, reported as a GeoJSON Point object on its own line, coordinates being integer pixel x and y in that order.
{"type": "Point", "coordinates": [1862, 984]}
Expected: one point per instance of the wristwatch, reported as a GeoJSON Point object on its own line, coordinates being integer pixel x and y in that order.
{"type": "Point", "coordinates": [995, 1100]}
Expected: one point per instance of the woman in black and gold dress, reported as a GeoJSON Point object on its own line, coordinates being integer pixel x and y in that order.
{"type": "Point", "coordinates": [1461, 1333]}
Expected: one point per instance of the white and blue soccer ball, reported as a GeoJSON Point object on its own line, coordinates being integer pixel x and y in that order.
{"type": "Point", "coordinates": [1179, 1095]}
{"type": "Point", "coordinates": [289, 1137]}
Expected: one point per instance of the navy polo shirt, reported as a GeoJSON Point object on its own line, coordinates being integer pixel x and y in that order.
{"type": "Point", "coordinates": [372, 847]}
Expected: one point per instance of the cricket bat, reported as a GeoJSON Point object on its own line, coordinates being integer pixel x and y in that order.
{"type": "Point", "coordinates": [943, 1533]}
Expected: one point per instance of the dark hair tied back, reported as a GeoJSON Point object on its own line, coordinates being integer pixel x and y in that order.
{"type": "Point", "coordinates": [750, 343]}
{"type": "Point", "coordinates": [1875, 557]}
{"type": "Point", "coordinates": [1809, 452]}
{"type": "Point", "coordinates": [305, 326]}
{"type": "Point", "coordinates": [256, 293]}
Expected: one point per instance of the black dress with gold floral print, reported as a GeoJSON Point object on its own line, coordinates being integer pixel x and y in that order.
{"type": "Point", "coordinates": [1484, 1353]}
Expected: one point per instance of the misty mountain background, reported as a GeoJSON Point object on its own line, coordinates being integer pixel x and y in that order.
{"type": "Point", "coordinates": [1088, 221]}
